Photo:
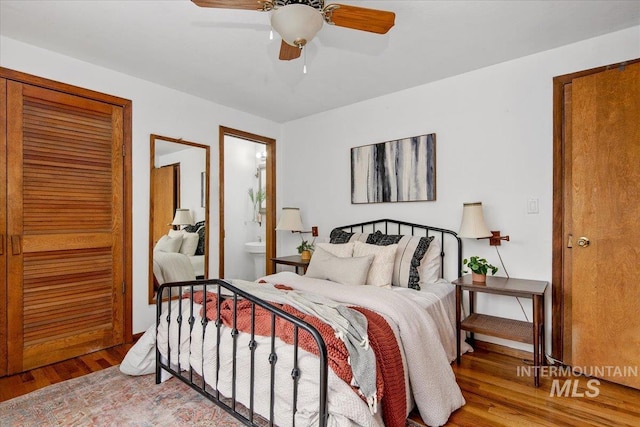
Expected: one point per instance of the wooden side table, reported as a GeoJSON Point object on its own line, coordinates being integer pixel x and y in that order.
{"type": "Point", "coordinates": [510, 329]}
{"type": "Point", "coordinates": [294, 260]}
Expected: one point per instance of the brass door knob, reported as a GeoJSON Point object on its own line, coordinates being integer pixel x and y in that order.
{"type": "Point", "coordinates": [583, 242]}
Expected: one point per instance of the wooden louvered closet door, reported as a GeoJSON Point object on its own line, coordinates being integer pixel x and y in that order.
{"type": "Point", "coordinates": [64, 226]}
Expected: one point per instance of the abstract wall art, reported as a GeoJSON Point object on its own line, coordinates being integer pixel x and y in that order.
{"type": "Point", "coordinates": [395, 171]}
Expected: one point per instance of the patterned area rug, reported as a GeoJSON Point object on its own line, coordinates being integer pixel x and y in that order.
{"type": "Point", "coordinates": [111, 398]}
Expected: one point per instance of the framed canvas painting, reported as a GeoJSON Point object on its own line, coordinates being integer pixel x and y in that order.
{"type": "Point", "coordinates": [394, 171]}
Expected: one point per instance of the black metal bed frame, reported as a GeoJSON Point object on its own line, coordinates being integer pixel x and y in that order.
{"type": "Point", "coordinates": [388, 226]}
{"type": "Point", "coordinates": [172, 292]}
{"type": "Point", "coordinates": [200, 385]}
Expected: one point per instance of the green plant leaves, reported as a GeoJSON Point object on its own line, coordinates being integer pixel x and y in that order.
{"type": "Point", "coordinates": [479, 265]}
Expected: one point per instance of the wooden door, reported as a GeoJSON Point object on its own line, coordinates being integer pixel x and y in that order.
{"type": "Point", "coordinates": [605, 208]}
{"type": "Point", "coordinates": [166, 185]}
{"type": "Point", "coordinates": [65, 201]}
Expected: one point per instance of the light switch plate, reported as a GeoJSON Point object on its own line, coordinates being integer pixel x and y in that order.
{"type": "Point", "coordinates": [532, 206]}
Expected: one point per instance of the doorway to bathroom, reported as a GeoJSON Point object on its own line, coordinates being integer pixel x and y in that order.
{"type": "Point", "coordinates": [247, 204]}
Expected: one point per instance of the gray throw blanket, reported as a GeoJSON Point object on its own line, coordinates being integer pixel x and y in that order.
{"type": "Point", "coordinates": [349, 325]}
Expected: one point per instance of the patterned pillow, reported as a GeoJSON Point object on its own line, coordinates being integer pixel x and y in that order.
{"type": "Point", "coordinates": [429, 269]}
{"type": "Point", "coordinates": [193, 228]}
{"type": "Point", "coordinates": [200, 248]}
{"type": "Point", "coordinates": [339, 236]}
{"type": "Point", "coordinates": [381, 270]}
{"type": "Point", "coordinates": [380, 239]}
{"type": "Point", "coordinates": [411, 250]}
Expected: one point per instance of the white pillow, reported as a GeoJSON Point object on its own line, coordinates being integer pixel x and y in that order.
{"type": "Point", "coordinates": [429, 269]}
{"type": "Point", "coordinates": [169, 244]}
{"type": "Point", "coordinates": [189, 243]}
{"type": "Point", "coordinates": [175, 233]}
{"type": "Point", "coordinates": [342, 250]}
{"type": "Point", "coordinates": [347, 271]}
{"type": "Point", "coordinates": [381, 270]}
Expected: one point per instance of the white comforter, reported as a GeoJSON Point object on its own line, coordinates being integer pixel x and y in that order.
{"type": "Point", "coordinates": [172, 267]}
{"type": "Point", "coordinates": [429, 344]}
{"type": "Point", "coordinates": [421, 320]}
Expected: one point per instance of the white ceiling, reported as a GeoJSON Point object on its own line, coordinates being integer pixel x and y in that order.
{"type": "Point", "coordinates": [226, 56]}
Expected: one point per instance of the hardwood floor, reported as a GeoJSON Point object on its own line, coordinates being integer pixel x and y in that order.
{"type": "Point", "coordinates": [26, 382]}
{"type": "Point", "coordinates": [496, 395]}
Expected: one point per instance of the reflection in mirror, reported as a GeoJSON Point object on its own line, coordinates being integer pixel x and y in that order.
{"type": "Point", "coordinates": [247, 243]}
{"type": "Point", "coordinates": [179, 212]}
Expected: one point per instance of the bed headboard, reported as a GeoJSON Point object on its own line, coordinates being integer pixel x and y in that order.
{"type": "Point", "coordinates": [449, 239]}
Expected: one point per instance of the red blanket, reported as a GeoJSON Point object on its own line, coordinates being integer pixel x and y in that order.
{"type": "Point", "coordinates": [389, 370]}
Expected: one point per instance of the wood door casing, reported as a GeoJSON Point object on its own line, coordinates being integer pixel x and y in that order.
{"type": "Point", "coordinates": [65, 225]}
{"type": "Point", "coordinates": [596, 148]}
{"type": "Point", "coordinates": [3, 228]}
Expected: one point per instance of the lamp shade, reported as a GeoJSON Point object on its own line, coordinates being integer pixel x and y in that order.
{"type": "Point", "coordinates": [290, 220]}
{"type": "Point", "coordinates": [473, 225]}
{"type": "Point", "coordinates": [183, 217]}
{"type": "Point", "coordinates": [296, 23]}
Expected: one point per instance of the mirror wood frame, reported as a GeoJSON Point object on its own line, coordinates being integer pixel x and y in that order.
{"type": "Point", "coordinates": [152, 150]}
{"type": "Point", "coordinates": [270, 223]}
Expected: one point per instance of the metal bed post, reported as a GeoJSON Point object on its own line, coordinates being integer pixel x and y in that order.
{"type": "Point", "coordinates": [276, 313]}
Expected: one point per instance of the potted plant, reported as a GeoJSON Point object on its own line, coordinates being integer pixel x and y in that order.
{"type": "Point", "coordinates": [479, 268]}
{"type": "Point", "coordinates": [305, 249]}
{"type": "Point", "coordinates": [256, 200]}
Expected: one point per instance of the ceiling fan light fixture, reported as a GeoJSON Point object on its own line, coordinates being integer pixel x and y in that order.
{"type": "Point", "coordinates": [296, 23]}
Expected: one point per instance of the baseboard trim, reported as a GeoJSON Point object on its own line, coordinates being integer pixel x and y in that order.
{"type": "Point", "coordinates": [501, 349]}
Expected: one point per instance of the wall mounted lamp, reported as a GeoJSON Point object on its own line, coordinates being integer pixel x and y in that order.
{"type": "Point", "coordinates": [474, 227]}
{"type": "Point", "coordinates": [182, 217]}
{"type": "Point", "coordinates": [290, 220]}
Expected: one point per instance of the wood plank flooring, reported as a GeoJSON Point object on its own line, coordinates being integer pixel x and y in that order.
{"type": "Point", "coordinates": [495, 394]}
{"type": "Point", "coordinates": [26, 382]}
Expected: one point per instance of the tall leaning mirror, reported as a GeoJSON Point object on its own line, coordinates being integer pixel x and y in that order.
{"type": "Point", "coordinates": [179, 212]}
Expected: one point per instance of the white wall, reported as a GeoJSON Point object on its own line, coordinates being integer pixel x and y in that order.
{"type": "Point", "coordinates": [493, 142]}
{"type": "Point", "coordinates": [156, 109]}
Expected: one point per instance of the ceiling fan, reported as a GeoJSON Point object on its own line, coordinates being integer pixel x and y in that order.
{"type": "Point", "coordinates": [298, 21]}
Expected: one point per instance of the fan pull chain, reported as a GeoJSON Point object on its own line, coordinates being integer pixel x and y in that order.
{"type": "Point", "coordinates": [304, 67]}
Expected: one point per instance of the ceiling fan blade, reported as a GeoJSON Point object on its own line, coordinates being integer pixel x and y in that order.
{"type": "Point", "coordinates": [360, 18]}
{"type": "Point", "coordinates": [288, 52]}
{"type": "Point", "coordinates": [230, 4]}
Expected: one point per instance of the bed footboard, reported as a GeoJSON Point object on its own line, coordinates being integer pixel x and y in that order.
{"type": "Point", "coordinates": [170, 298]}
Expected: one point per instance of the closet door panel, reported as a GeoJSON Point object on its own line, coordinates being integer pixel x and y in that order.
{"type": "Point", "coordinates": [65, 225]}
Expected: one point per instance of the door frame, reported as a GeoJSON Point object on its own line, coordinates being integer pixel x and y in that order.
{"type": "Point", "coordinates": [127, 186]}
{"type": "Point", "coordinates": [270, 223]}
{"type": "Point", "coordinates": [561, 183]}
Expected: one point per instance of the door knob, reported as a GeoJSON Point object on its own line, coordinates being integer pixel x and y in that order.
{"type": "Point", "coordinates": [583, 242]}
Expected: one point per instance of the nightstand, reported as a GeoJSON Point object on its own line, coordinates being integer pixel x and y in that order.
{"type": "Point", "coordinates": [510, 329]}
{"type": "Point", "coordinates": [293, 260]}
